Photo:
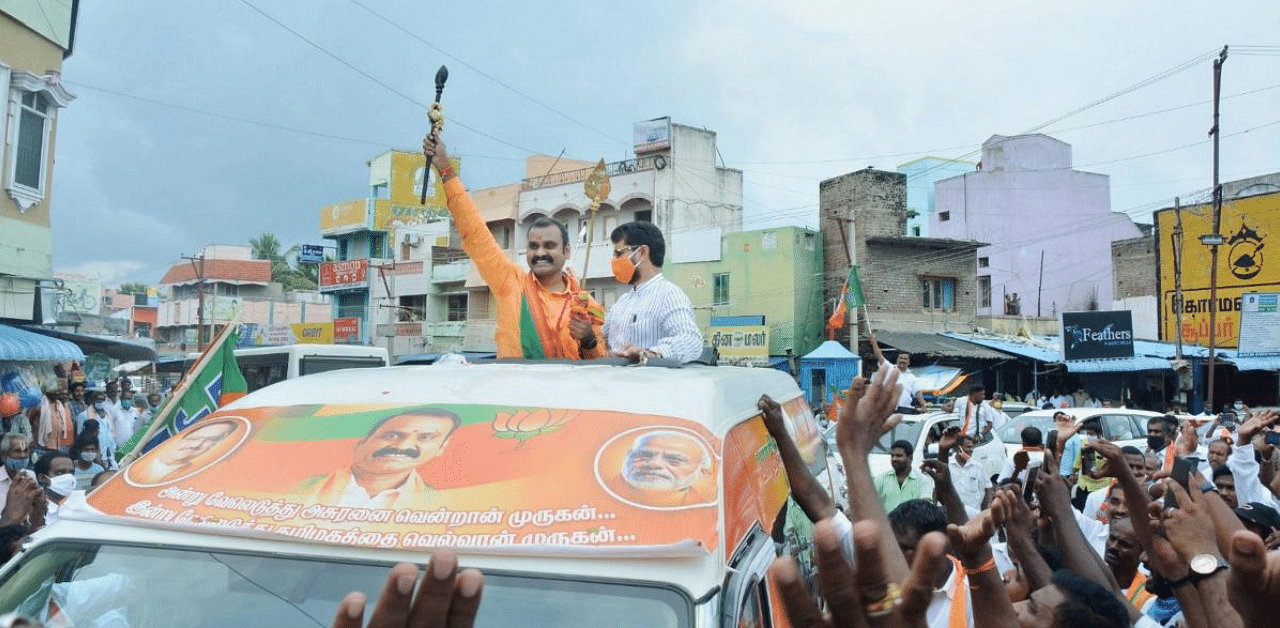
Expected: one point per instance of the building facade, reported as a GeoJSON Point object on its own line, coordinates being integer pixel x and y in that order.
{"type": "Point", "coordinates": [35, 36]}
{"type": "Point", "coordinates": [235, 287]}
{"type": "Point", "coordinates": [922, 174]}
{"type": "Point", "coordinates": [775, 274]}
{"type": "Point", "coordinates": [911, 284]}
{"type": "Point", "coordinates": [1049, 227]}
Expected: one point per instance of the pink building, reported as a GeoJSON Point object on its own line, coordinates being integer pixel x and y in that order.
{"type": "Point", "coordinates": [1050, 227]}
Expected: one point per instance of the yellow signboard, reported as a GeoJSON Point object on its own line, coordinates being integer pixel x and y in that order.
{"type": "Point", "coordinates": [744, 345]}
{"type": "Point", "coordinates": [345, 215]}
{"type": "Point", "coordinates": [1247, 225]}
{"type": "Point", "coordinates": [407, 171]}
{"type": "Point", "coordinates": [387, 214]}
{"type": "Point", "coordinates": [313, 333]}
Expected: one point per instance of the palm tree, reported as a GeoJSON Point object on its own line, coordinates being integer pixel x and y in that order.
{"type": "Point", "coordinates": [266, 246]}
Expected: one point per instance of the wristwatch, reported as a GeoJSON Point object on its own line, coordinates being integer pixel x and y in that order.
{"type": "Point", "coordinates": [1205, 565]}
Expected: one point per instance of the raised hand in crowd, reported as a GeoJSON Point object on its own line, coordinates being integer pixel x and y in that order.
{"type": "Point", "coordinates": [948, 442]}
{"type": "Point", "coordinates": [807, 491]}
{"type": "Point", "coordinates": [1009, 509]}
{"type": "Point", "coordinates": [23, 494]}
{"type": "Point", "coordinates": [1186, 552]}
{"type": "Point", "coordinates": [971, 544]}
{"type": "Point", "coordinates": [1256, 424]}
{"type": "Point", "coordinates": [864, 595]}
{"type": "Point", "coordinates": [445, 597]}
{"type": "Point", "coordinates": [1253, 583]}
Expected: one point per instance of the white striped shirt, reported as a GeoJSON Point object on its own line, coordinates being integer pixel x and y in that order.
{"type": "Point", "coordinates": [655, 315]}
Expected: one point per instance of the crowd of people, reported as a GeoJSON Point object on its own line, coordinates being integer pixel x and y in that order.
{"type": "Point", "coordinates": [68, 441]}
{"type": "Point", "coordinates": [1163, 547]}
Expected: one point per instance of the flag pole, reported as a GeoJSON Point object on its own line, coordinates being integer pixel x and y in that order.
{"type": "Point", "coordinates": [177, 393]}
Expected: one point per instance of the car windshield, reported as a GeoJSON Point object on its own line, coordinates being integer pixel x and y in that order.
{"type": "Point", "coordinates": [906, 430]}
{"type": "Point", "coordinates": [1012, 431]}
{"type": "Point", "coordinates": [126, 586]}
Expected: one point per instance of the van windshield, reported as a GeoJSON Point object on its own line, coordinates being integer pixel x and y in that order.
{"type": "Point", "coordinates": [127, 586]}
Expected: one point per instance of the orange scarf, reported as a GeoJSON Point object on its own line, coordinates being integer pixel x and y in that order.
{"type": "Point", "coordinates": [968, 416]}
{"type": "Point", "coordinates": [1106, 499]}
{"type": "Point", "coordinates": [1137, 593]}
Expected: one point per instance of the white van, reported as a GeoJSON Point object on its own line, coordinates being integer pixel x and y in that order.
{"type": "Point", "coordinates": [589, 495]}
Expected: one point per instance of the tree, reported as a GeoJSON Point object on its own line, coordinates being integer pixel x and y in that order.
{"type": "Point", "coordinates": [133, 287]}
{"type": "Point", "coordinates": [267, 247]}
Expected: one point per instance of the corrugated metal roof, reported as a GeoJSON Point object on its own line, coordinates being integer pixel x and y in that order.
{"type": "Point", "coordinates": [936, 345]}
{"type": "Point", "coordinates": [1023, 349]}
{"type": "Point", "coordinates": [21, 345]}
{"type": "Point", "coordinates": [1255, 363]}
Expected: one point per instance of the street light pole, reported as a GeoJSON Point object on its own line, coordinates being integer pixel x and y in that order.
{"type": "Point", "coordinates": [1217, 231]}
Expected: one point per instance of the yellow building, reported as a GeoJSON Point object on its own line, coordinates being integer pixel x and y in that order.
{"type": "Point", "coordinates": [1248, 224]}
{"type": "Point", "coordinates": [35, 36]}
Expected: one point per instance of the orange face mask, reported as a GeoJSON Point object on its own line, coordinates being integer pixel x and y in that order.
{"type": "Point", "coordinates": [624, 270]}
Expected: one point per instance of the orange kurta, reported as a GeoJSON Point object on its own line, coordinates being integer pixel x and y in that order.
{"type": "Point", "coordinates": [507, 280]}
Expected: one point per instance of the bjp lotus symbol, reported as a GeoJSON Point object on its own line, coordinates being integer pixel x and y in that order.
{"type": "Point", "coordinates": [526, 424]}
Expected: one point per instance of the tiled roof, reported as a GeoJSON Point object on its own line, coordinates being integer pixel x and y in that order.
{"type": "Point", "coordinates": [256, 270]}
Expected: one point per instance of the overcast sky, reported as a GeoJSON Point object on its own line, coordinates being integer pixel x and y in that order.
{"type": "Point", "coordinates": [155, 157]}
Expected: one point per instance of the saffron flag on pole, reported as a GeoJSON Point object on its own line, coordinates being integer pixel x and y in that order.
{"type": "Point", "coordinates": [214, 380]}
{"type": "Point", "coordinates": [837, 318]}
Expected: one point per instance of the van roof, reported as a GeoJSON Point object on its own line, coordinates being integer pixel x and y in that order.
{"type": "Point", "coordinates": [716, 397]}
{"type": "Point", "coordinates": [510, 459]}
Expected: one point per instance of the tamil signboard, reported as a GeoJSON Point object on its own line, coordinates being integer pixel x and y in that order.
{"type": "Point", "coordinates": [1097, 335]}
{"type": "Point", "coordinates": [311, 254]}
{"type": "Point", "coordinates": [344, 275]}
{"type": "Point", "coordinates": [346, 330]}
{"type": "Point", "coordinates": [1259, 324]}
{"type": "Point", "coordinates": [744, 345]}
{"type": "Point", "coordinates": [1247, 223]}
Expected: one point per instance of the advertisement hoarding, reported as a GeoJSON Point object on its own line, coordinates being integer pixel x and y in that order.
{"type": "Point", "coordinates": [1259, 324]}
{"type": "Point", "coordinates": [652, 135]}
{"type": "Point", "coordinates": [746, 345]}
{"type": "Point", "coordinates": [346, 330]}
{"type": "Point", "coordinates": [1247, 223]}
{"type": "Point", "coordinates": [1097, 335]}
{"type": "Point", "coordinates": [344, 275]}
{"type": "Point", "coordinates": [311, 254]}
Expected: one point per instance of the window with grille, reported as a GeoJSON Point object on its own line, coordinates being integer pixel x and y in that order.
{"type": "Point", "coordinates": [720, 292]}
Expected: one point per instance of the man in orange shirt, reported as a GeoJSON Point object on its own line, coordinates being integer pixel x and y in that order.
{"type": "Point", "coordinates": [542, 313]}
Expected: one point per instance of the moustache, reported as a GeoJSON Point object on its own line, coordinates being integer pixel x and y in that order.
{"type": "Point", "coordinates": [392, 451]}
{"type": "Point", "coordinates": [542, 259]}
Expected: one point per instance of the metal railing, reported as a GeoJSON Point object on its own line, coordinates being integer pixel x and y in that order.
{"type": "Point", "coordinates": [617, 168]}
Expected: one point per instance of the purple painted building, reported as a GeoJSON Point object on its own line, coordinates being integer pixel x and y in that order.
{"type": "Point", "coordinates": [1050, 227]}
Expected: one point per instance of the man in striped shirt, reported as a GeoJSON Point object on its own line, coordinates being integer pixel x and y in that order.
{"type": "Point", "coordinates": [654, 319]}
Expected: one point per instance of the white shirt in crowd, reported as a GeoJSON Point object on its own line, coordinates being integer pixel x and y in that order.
{"type": "Point", "coordinates": [910, 385]}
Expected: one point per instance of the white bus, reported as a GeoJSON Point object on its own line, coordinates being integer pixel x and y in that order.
{"type": "Point", "coordinates": [263, 366]}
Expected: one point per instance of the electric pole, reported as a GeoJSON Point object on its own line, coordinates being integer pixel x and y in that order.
{"type": "Point", "coordinates": [199, 268]}
{"type": "Point", "coordinates": [1216, 239]}
{"type": "Point", "coordinates": [1177, 269]}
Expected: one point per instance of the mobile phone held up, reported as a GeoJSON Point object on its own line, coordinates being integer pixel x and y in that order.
{"type": "Point", "coordinates": [1181, 473]}
{"type": "Point", "coordinates": [1271, 438]}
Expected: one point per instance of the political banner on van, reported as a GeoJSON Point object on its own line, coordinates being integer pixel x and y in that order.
{"type": "Point", "coordinates": [214, 380]}
{"type": "Point", "coordinates": [448, 475]}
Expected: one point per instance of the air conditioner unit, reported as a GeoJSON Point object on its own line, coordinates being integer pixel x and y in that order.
{"type": "Point", "coordinates": [412, 239]}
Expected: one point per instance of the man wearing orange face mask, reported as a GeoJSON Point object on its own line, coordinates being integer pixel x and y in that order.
{"type": "Point", "coordinates": [654, 319]}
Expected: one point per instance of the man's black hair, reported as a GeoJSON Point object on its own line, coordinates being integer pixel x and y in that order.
{"type": "Point", "coordinates": [75, 385]}
{"type": "Point", "coordinates": [1087, 604]}
{"type": "Point", "coordinates": [1131, 451]}
{"type": "Point", "coordinates": [45, 461]}
{"type": "Point", "coordinates": [904, 445]}
{"type": "Point", "coordinates": [1221, 471]}
{"type": "Point", "coordinates": [432, 412]}
{"type": "Point", "coordinates": [977, 388]}
{"type": "Point", "coordinates": [544, 221]}
{"type": "Point", "coordinates": [1032, 437]}
{"type": "Point", "coordinates": [920, 515]}
{"type": "Point", "coordinates": [1094, 425]}
{"type": "Point", "coordinates": [642, 232]}
{"type": "Point", "coordinates": [1168, 423]}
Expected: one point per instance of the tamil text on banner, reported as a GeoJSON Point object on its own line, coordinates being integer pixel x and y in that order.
{"type": "Point", "coordinates": [344, 275]}
{"type": "Point", "coordinates": [741, 345]}
{"type": "Point", "coordinates": [1259, 324]}
{"type": "Point", "coordinates": [346, 330]}
{"type": "Point", "coordinates": [214, 380]}
{"type": "Point", "coordinates": [475, 476]}
{"type": "Point", "coordinates": [1248, 224]}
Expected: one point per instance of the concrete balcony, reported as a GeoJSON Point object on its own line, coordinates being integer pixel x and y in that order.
{"type": "Point", "coordinates": [452, 272]}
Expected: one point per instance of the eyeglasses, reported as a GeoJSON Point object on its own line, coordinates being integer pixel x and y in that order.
{"type": "Point", "coordinates": [626, 250]}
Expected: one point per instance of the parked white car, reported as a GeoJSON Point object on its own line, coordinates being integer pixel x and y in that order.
{"type": "Point", "coordinates": [1119, 425]}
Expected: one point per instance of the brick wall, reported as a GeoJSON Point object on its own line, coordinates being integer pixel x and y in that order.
{"type": "Point", "coordinates": [891, 278]}
{"type": "Point", "coordinates": [1133, 268]}
{"type": "Point", "coordinates": [861, 205]}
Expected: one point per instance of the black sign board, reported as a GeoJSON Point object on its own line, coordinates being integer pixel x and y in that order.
{"type": "Point", "coordinates": [1097, 335]}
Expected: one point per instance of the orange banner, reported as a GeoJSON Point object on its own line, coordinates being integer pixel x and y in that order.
{"type": "Point", "coordinates": [451, 475]}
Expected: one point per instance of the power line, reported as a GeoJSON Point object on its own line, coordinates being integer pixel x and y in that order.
{"type": "Point", "coordinates": [378, 81]}
{"type": "Point", "coordinates": [485, 74]}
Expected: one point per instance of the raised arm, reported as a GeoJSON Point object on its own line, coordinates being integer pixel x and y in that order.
{"type": "Point", "coordinates": [805, 488]}
{"type": "Point", "coordinates": [971, 543]}
{"type": "Point", "coordinates": [866, 416]}
{"type": "Point", "coordinates": [875, 348]}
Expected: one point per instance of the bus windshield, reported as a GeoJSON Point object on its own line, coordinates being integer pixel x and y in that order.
{"type": "Point", "coordinates": [312, 364]}
{"type": "Point", "coordinates": [144, 587]}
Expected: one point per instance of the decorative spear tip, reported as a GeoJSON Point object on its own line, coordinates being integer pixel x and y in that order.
{"type": "Point", "coordinates": [442, 75]}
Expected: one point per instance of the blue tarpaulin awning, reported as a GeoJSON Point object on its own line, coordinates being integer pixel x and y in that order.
{"type": "Point", "coordinates": [20, 345]}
